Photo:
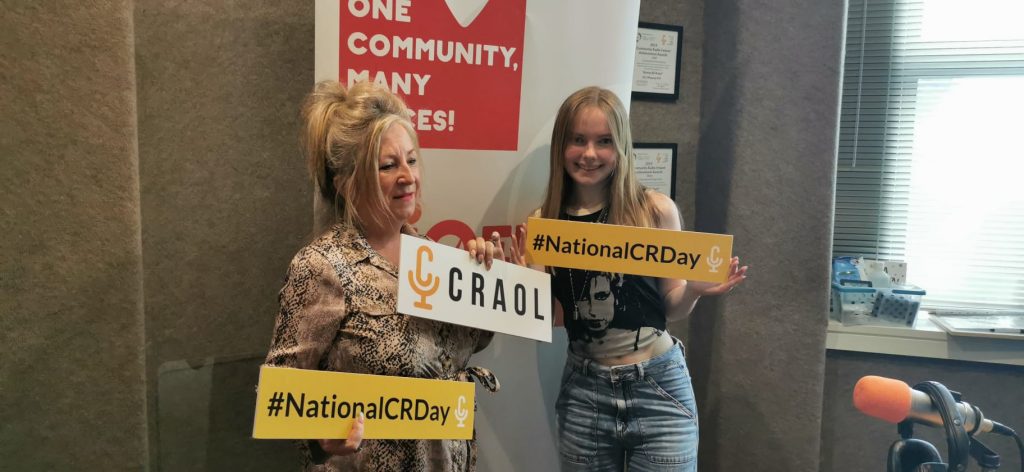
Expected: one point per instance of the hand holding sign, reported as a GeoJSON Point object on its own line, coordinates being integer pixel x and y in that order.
{"type": "Point", "coordinates": [517, 250]}
{"type": "Point", "coordinates": [737, 275]}
{"type": "Point", "coordinates": [485, 251]}
{"type": "Point", "coordinates": [349, 445]}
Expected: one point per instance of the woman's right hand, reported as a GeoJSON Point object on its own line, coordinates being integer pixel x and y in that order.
{"type": "Point", "coordinates": [485, 251]}
{"type": "Point", "coordinates": [347, 446]}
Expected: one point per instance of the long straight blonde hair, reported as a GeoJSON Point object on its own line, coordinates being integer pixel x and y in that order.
{"type": "Point", "coordinates": [626, 198]}
{"type": "Point", "coordinates": [342, 136]}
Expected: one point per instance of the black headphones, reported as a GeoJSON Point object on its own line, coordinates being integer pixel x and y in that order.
{"type": "Point", "coordinates": [958, 442]}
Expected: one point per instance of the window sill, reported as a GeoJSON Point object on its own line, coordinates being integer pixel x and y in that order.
{"type": "Point", "coordinates": [924, 339]}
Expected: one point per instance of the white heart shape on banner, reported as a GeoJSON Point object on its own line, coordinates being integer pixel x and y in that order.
{"type": "Point", "coordinates": [465, 11]}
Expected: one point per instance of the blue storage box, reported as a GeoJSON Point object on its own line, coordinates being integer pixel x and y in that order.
{"type": "Point", "coordinates": [859, 302]}
{"type": "Point", "coordinates": [897, 305]}
{"type": "Point", "coordinates": [852, 301]}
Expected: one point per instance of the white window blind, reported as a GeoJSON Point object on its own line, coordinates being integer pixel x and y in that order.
{"type": "Point", "coordinates": [931, 147]}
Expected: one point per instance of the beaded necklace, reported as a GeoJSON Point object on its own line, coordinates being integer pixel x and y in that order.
{"type": "Point", "coordinates": [601, 218]}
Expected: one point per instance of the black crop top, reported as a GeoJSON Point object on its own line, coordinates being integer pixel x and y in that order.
{"type": "Point", "coordinates": [607, 314]}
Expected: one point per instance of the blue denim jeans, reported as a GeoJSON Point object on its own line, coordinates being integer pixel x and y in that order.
{"type": "Point", "coordinates": [639, 417]}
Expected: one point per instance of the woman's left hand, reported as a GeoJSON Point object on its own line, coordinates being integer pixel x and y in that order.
{"type": "Point", "coordinates": [486, 251]}
{"type": "Point", "coordinates": [736, 276]}
{"type": "Point", "coordinates": [347, 446]}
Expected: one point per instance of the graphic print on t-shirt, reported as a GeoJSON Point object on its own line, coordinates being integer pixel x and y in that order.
{"type": "Point", "coordinates": [607, 305]}
{"type": "Point", "coordinates": [597, 308]}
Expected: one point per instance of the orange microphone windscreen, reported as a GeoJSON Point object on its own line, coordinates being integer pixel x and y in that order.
{"type": "Point", "coordinates": [885, 399]}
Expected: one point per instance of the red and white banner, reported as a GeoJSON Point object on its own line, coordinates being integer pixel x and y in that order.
{"type": "Point", "coordinates": [457, 63]}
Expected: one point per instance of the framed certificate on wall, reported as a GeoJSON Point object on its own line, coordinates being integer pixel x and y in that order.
{"type": "Point", "coordinates": [655, 166]}
{"type": "Point", "coordinates": [659, 52]}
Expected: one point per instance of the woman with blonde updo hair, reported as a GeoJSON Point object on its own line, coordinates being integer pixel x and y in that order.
{"type": "Point", "coordinates": [338, 303]}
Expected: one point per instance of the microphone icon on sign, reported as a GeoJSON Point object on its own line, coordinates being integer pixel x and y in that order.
{"type": "Point", "coordinates": [424, 286]}
{"type": "Point", "coordinates": [714, 260]}
{"type": "Point", "coordinates": [461, 413]}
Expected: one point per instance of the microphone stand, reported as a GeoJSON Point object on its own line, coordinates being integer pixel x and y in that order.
{"type": "Point", "coordinates": [987, 459]}
{"type": "Point", "coordinates": [915, 455]}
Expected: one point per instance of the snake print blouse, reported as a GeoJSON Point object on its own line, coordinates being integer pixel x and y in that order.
{"type": "Point", "coordinates": [338, 313]}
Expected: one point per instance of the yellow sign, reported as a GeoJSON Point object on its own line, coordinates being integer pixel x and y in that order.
{"type": "Point", "coordinates": [314, 404]}
{"type": "Point", "coordinates": [629, 250]}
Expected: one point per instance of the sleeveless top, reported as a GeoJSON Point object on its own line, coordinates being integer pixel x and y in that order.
{"type": "Point", "coordinates": [607, 314]}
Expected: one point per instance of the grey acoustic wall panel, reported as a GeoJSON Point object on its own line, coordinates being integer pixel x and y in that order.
{"type": "Point", "coordinates": [765, 171]}
{"type": "Point", "coordinates": [225, 198]}
{"type": "Point", "coordinates": [71, 341]}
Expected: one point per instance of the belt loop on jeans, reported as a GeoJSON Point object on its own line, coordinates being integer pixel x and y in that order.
{"type": "Point", "coordinates": [585, 367]}
{"type": "Point", "coordinates": [639, 370]}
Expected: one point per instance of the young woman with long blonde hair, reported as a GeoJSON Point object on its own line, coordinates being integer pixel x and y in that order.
{"type": "Point", "coordinates": [626, 400]}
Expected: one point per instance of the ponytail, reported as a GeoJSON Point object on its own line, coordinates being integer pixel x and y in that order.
{"type": "Point", "coordinates": [317, 112]}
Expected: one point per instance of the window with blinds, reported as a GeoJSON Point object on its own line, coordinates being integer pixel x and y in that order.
{"type": "Point", "coordinates": [931, 146]}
